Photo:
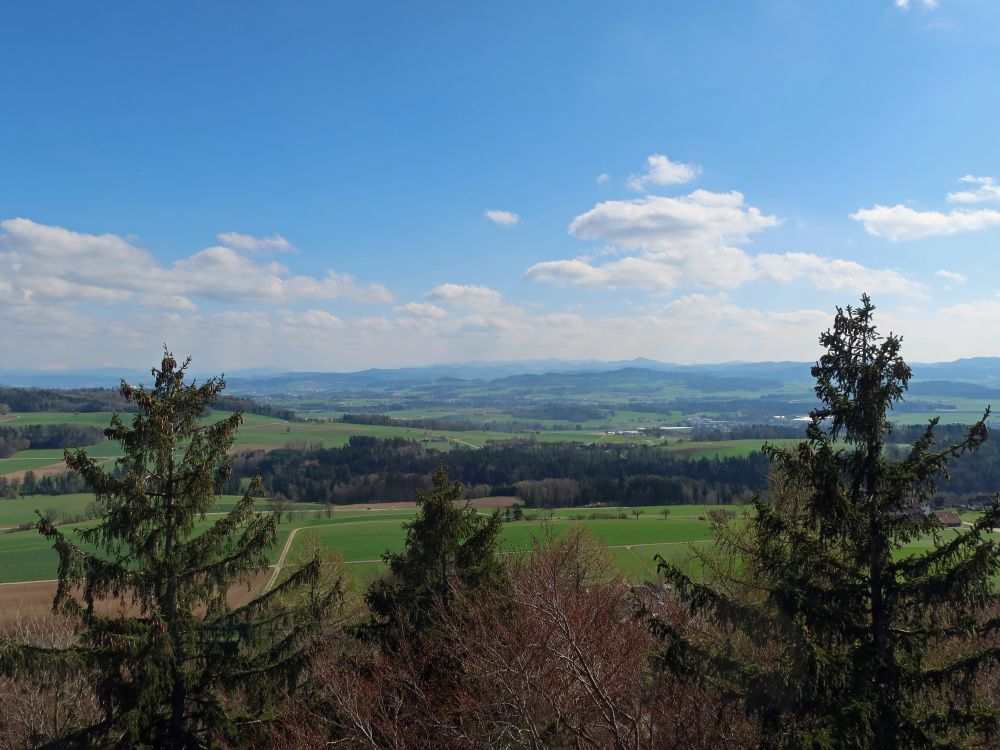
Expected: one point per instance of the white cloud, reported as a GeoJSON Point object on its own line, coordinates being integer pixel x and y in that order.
{"type": "Point", "coordinates": [653, 274]}
{"type": "Point", "coordinates": [718, 309]}
{"type": "Point", "coordinates": [907, 4]}
{"type": "Point", "coordinates": [700, 219]}
{"type": "Point", "coordinates": [221, 273]}
{"type": "Point", "coordinates": [465, 295]}
{"type": "Point", "coordinates": [421, 310]}
{"type": "Point", "coordinates": [176, 302]}
{"type": "Point", "coordinates": [835, 274]}
{"type": "Point", "coordinates": [959, 278]}
{"type": "Point", "coordinates": [39, 262]}
{"type": "Point", "coordinates": [312, 319]}
{"type": "Point", "coordinates": [637, 273]}
{"type": "Point", "coordinates": [661, 171]}
{"type": "Point", "coordinates": [503, 218]}
{"type": "Point", "coordinates": [696, 240]}
{"type": "Point", "coordinates": [688, 239]}
{"type": "Point", "coordinates": [250, 244]}
{"type": "Point", "coordinates": [899, 222]}
{"type": "Point", "coordinates": [986, 190]}
{"type": "Point", "coordinates": [602, 178]}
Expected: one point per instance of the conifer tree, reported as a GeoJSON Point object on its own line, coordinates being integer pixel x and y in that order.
{"type": "Point", "coordinates": [825, 629]}
{"type": "Point", "coordinates": [165, 665]}
{"type": "Point", "coordinates": [447, 545]}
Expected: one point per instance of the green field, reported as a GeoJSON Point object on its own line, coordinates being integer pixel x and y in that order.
{"type": "Point", "coordinates": [361, 536]}
{"type": "Point", "coordinates": [17, 511]}
{"type": "Point", "coordinates": [21, 510]}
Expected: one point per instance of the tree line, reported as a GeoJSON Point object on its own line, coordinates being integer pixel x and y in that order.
{"type": "Point", "coordinates": [370, 469]}
{"type": "Point", "coordinates": [61, 399]}
{"type": "Point", "coordinates": [15, 438]}
{"type": "Point", "coordinates": [251, 406]}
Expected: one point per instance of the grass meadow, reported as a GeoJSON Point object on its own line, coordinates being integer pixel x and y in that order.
{"type": "Point", "coordinates": [360, 536]}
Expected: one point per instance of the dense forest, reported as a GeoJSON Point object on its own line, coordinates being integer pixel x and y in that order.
{"type": "Point", "coordinates": [68, 399]}
{"type": "Point", "coordinates": [370, 469]}
{"type": "Point", "coordinates": [18, 438]}
{"type": "Point", "coordinates": [249, 406]}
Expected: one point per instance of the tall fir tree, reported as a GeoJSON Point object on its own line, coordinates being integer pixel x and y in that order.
{"type": "Point", "coordinates": [166, 665]}
{"type": "Point", "coordinates": [449, 544]}
{"type": "Point", "coordinates": [825, 629]}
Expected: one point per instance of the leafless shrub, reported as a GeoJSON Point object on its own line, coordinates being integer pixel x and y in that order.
{"type": "Point", "coordinates": [40, 708]}
{"type": "Point", "coordinates": [557, 658]}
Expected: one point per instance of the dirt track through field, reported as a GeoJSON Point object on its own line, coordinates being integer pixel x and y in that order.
{"type": "Point", "coordinates": [284, 553]}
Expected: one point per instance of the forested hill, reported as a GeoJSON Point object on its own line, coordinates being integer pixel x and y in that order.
{"type": "Point", "coordinates": [86, 400]}
{"type": "Point", "coordinates": [68, 399]}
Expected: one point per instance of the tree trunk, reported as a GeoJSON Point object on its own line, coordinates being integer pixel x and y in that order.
{"type": "Point", "coordinates": [177, 693]}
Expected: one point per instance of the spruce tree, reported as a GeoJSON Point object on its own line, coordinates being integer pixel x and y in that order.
{"type": "Point", "coordinates": [168, 665]}
{"type": "Point", "coordinates": [824, 628]}
{"type": "Point", "coordinates": [449, 544]}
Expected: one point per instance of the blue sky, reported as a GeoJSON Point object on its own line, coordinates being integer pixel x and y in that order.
{"type": "Point", "coordinates": [334, 186]}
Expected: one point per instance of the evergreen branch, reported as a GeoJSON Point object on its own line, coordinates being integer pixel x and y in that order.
{"type": "Point", "coordinates": [966, 666]}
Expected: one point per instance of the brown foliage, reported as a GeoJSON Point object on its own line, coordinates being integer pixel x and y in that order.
{"type": "Point", "coordinates": [556, 659]}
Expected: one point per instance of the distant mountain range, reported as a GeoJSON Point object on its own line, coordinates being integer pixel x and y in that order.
{"type": "Point", "coordinates": [982, 371]}
{"type": "Point", "coordinates": [944, 377]}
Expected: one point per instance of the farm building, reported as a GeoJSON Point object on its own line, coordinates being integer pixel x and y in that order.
{"type": "Point", "coordinates": [948, 518]}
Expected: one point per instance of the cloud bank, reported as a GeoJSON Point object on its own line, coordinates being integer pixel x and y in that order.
{"type": "Point", "coordinates": [900, 223]}
{"type": "Point", "coordinates": [699, 240]}
{"type": "Point", "coordinates": [41, 263]}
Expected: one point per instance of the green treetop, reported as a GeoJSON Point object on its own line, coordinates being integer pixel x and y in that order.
{"type": "Point", "coordinates": [825, 629]}
{"type": "Point", "coordinates": [448, 545]}
{"type": "Point", "coordinates": [166, 662]}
